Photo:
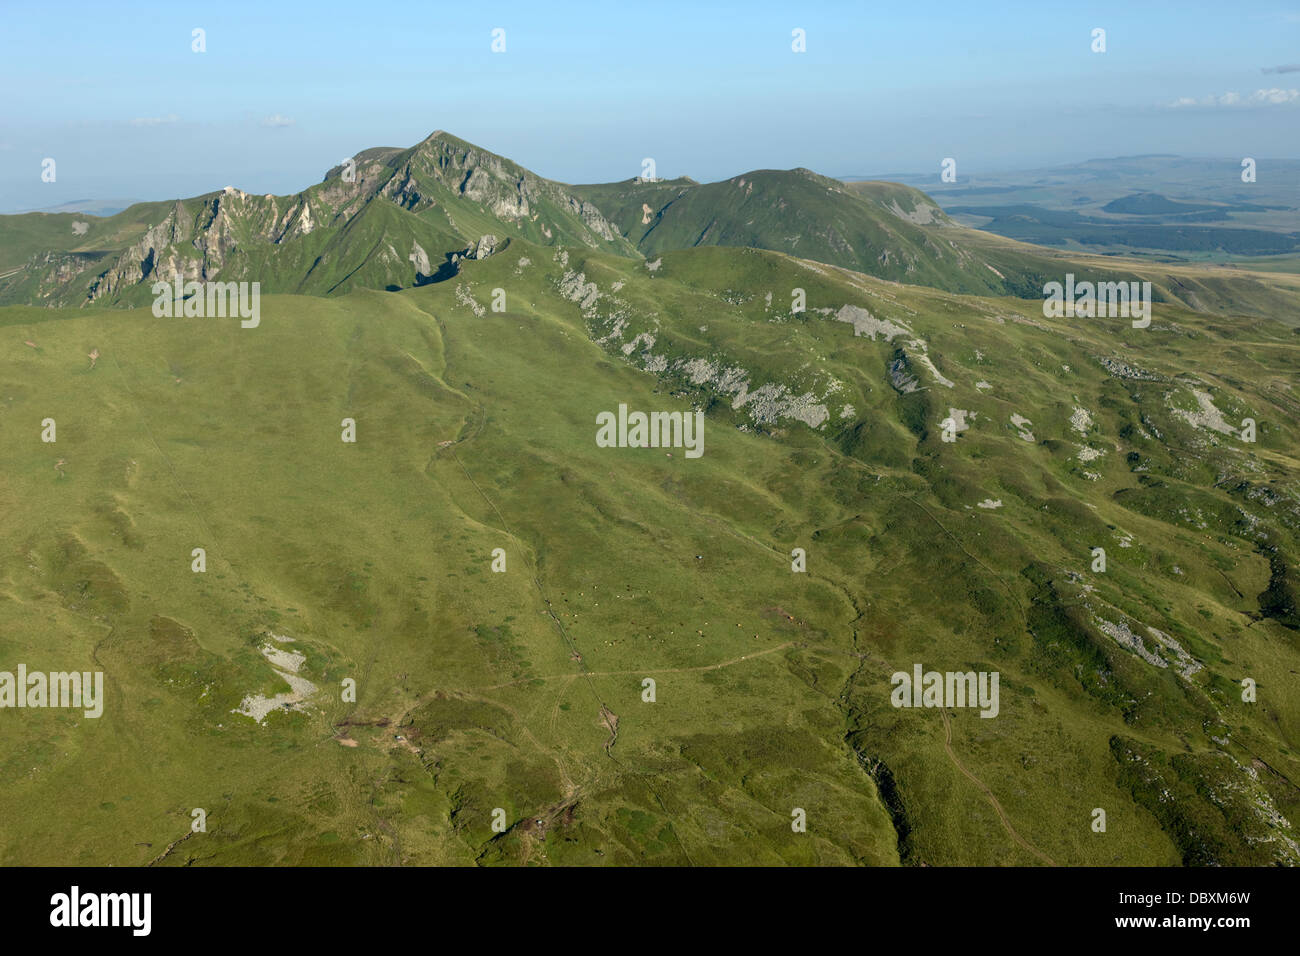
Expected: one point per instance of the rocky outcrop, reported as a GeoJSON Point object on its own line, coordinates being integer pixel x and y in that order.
{"type": "Point", "coordinates": [483, 248]}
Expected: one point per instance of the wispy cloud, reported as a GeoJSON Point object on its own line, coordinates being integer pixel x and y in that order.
{"type": "Point", "coordinates": [276, 121]}
{"type": "Point", "coordinates": [155, 120]}
{"type": "Point", "coordinates": [1284, 68]}
{"type": "Point", "coordinates": [1270, 97]}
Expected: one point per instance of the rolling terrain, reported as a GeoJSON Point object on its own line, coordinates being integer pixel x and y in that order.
{"type": "Point", "coordinates": [330, 561]}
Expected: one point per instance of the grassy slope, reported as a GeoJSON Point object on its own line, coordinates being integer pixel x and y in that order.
{"type": "Point", "coordinates": [899, 233]}
{"type": "Point", "coordinates": [772, 687]}
{"type": "Point", "coordinates": [801, 213]}
{"type": "Point", "coordinates": [30, 233]}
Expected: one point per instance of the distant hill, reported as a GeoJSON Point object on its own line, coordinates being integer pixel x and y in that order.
{"type": "Point", "coordinates": [1144, 204]}
{"type": "Point", "coordinates": [801, 213]}
{"type": "Point", "coordinates": [1153, 204]}
{"type": "Point", "coordinates": [89, 207]}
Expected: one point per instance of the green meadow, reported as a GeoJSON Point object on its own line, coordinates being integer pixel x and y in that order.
{"type": "Point", "coordinates": [523, 691]}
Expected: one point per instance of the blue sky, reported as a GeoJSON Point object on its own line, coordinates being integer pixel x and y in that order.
{"type": "Point", "coordinates": [585, 90]}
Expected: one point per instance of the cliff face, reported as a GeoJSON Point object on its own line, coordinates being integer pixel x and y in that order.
{"type": "Point", "coordinates": [197, 238]}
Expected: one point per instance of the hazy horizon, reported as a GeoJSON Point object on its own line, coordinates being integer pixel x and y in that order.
{"type": "Point", "coordinates": [964, 177]}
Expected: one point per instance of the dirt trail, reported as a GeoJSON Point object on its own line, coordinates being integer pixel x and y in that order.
{"type": "Point", "coordinates": [650, 671]}
{"type": "Point", "coordinates": [993, 801]}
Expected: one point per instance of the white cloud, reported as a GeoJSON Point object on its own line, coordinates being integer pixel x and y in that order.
{"type": "Point", "coordinates": [1275, 96]}
{"type": "Point", "coordinates": [155, 120]}
{"type": "Point", "coordinates": [277, 121]}
{"type": "Point", "coordinates": [1270, 97]}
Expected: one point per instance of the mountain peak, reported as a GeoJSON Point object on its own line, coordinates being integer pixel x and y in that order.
{"type": "Point", "coordinates": [440, 137]}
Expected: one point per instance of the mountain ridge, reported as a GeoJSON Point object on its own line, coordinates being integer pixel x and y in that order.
{"type": "Point", "coordinates": [392, 218]}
